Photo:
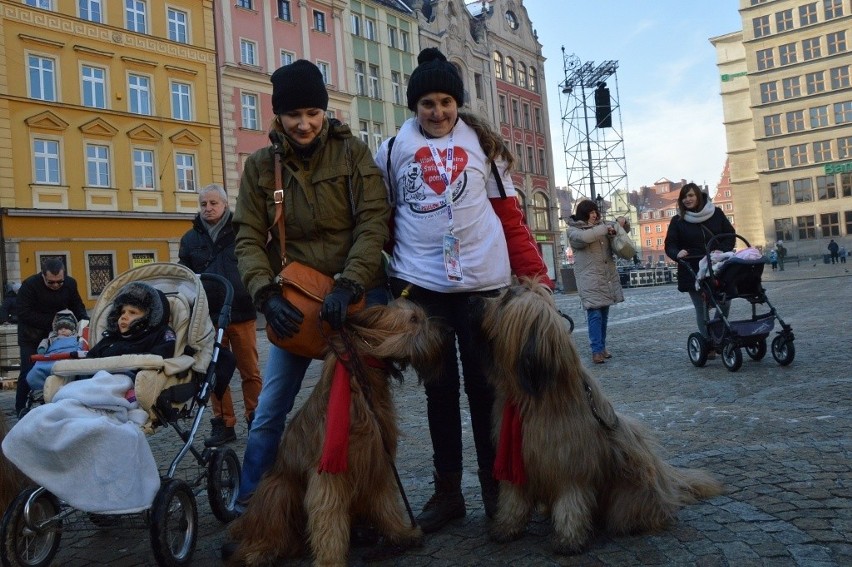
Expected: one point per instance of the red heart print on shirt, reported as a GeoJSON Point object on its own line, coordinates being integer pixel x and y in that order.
{"type": "Point", "coordinates": [430, 175]}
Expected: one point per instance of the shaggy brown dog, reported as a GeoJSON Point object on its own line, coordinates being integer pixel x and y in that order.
{"type": "Point", "coordinates": [293, 501]}
{"type": "Point", "coordinates": [12, 481]}
{"type": "Point", "coordinates": [585, 464]}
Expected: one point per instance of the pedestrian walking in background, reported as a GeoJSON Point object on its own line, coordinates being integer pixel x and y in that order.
{"type": "Point", "coordinates": [208, 247]}
{"type": "Point", "coordinates": [782, 253]}
{"type": "Point", "coordinates": [689, 232]}
{"type": "Point", "coordinates": [458, 233]}
{"type": "Point", "coordinates": [598, 282]}
{"type": "Point", "coordinates": [833, 250]}
{"type": "Point", "coordinates": [40, 298]}
{"type": "Point", "coordinates": [773, 259]}
{"type": "Point", "coordinates": [842, 254]}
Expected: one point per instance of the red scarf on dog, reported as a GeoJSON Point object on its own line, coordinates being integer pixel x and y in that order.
{"type": "Point", "coordinates": [509, 463]}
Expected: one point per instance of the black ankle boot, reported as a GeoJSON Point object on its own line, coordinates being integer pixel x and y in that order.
{"type": "Point", "coordinates": [490, 492]}
{"type": "Point", "coordinates": [446, 504]}
{"type": "Point", "coordinates": [219, 433]}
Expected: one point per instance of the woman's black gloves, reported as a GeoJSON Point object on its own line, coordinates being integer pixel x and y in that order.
{"type": "Point", "coordinates": [282, 316]}
{"type": "Point", "coordinates": [334, 306]}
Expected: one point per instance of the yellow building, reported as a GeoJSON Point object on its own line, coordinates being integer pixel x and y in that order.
{"type": "Point", "coordinates": [787, 99]}
{"type": "Point", "coordinates": [109, 123]}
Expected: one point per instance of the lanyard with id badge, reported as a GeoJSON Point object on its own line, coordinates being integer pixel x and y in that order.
{"type": "Point", "coordinates": [451, 245]}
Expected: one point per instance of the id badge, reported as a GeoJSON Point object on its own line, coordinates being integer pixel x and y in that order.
{"type": "Point", "coordinates": [452, 258]}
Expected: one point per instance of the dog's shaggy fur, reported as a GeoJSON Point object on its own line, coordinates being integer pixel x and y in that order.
{"type": "Point", "coordinates": [590, 467]}
{"type": "Point", "coordinates": [294, 502]}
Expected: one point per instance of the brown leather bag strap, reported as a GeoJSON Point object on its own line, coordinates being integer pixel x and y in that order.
{"type": "Point", "coordinates": [278, 196]}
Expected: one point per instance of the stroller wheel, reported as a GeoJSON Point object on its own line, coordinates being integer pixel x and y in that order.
{"type": "Point", "coordinates": [697, 349]}
{"type": "Point", "coordinates": [30, 533]}
{"type": "Point", "coordinates": [223, 483]}
{"type": "Point", "coordinates": [783, 350]}
{"type": "Point", "coordinates": [174, 524]}
{"type": "Point", "coordinates": [732, 357]}
{"type": "Point", "coordinates": [756, 351]}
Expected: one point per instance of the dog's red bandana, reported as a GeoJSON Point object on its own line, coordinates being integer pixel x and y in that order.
{"type": "Point", "coordinates": [509, 463]}
{"type": "Point", "coordinates": [335, 449]}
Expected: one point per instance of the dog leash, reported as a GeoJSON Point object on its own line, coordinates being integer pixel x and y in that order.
{"type": "Point", "coordinates": [357, 370]}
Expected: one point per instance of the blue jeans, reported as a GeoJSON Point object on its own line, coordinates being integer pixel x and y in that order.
{"type": "Point", "coordinates": [597, 320]}
{"type": "Point", "coordinates": [282, 381]}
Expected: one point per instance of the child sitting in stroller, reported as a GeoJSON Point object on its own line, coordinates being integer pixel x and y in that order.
{"type": "Point", "coordinates": [62, 340]}
{"type": "Point", "coordinates": [97, 464]}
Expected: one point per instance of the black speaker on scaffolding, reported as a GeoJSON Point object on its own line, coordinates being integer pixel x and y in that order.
{"type": "Point", "coordinates": [603, 107]}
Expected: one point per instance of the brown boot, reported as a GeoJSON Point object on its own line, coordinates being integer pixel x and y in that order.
{"type": "Point", "coordinates": [446, 504]}
{"type": "Point", "coordinates": [490, 492]}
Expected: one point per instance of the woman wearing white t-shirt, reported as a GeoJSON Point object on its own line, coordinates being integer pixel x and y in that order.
{"type": "Point", "coordinates": [457, 232]}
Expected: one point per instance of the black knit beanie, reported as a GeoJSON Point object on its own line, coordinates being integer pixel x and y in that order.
{"type": "Point", "coordinates": [298, 85]}
{"type": "Point", "coordinates": [434, 74]}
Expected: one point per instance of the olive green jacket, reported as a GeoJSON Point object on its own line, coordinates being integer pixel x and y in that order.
{"type": "Point", "coordinates": [321, 229]}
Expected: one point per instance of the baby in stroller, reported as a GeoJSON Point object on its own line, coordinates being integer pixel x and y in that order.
{"type": "Point", "coordinates": [109, 460]}
{"type": "Point", "coordinates": [62, 342]}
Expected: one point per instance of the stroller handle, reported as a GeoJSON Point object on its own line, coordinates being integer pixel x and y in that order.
{"type": "Point", "coordinates": [225, 313]}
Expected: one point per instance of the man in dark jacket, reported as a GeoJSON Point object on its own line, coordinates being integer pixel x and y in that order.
{"type": "Point", "coordinates": [208, 247]}
{"type": "Point", "coordinates": [41, 296]}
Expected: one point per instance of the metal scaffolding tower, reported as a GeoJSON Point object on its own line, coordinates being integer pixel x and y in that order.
{"type": "Point", "coordinates": [594, 153]}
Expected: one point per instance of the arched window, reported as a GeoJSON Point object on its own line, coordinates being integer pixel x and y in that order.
{"type": "Point", "coordinates": [522, 75]}
{"type": "Point", "coordinates": [510, 70]}
{"type": "Point", "coordinates": [541, 218]}
{"type": "Point", "coordinates": [498, 65]}
{"type": "Point", "coordinates": [533, 80]}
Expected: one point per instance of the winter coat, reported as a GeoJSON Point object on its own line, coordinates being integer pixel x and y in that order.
{"type": "Point", "coordinates": [598, 281]}
{"type": "Point", "coordinates": [40, 304]}
{"type": "Point", "coordinates": [200, 254]}
{"type": "Point", "coordinates": [693, 237]}
{"type": "Point", "coordinates": [321, 229]}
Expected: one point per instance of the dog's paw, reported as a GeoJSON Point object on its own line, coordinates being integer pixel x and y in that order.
{"type": "Point", "coordinates": [564, 546]}
{"type": "Point", "coordinates": [503, 534]}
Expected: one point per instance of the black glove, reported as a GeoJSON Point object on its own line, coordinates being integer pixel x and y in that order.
{"type": "Point", "coordinates": [334, 306]}
{"type": "Point", "coordinates": [282, 316]}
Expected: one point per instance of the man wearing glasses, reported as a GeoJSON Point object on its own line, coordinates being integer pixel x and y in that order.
{"type": "Point", "coordinates": [39, 298]}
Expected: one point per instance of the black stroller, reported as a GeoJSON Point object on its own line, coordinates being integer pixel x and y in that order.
{"type": "Point", "coordinates": [174, 392]}
{"type": "Point", "coordinates": [737, 278]}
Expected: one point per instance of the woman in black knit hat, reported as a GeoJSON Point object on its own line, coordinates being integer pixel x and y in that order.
{"type": "Point", "coordinates": [458, 232]}
{"type": "Point", "coordinates": [331, 225]}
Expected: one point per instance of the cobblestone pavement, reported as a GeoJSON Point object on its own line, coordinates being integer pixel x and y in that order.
{"type": "Point", "coordinates": [778, 437]}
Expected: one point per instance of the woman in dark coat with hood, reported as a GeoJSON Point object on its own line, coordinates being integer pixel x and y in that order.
{"type": "Point", "coordinates": [699, 221]}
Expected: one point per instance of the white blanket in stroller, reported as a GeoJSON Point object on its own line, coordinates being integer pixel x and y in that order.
{"type": "Point", "coordinates": [87, 447]}
{"type": "Point", "coordinates": [719, 259]}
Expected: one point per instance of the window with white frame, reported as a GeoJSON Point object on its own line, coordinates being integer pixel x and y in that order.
{"type": "Point", "coordinates": [139, 94]}
{"type": "Point", "coordinates": [533, 79]}
{"type": "Point", "coordinates": [91, 10]}
{"type": "Point", "coordinates": [136, 16]}
{"type": "Point", "coordinates": [760, 25]}
{"type": "Point", "coordinates": [815, 82]}
{"type": "Point", "coordinates": [46, 161]}
{"type": "Point", "coordinates": [811, 48]}
{"type": "Point", "coordinates": [370, 29]}
{"type": "Point", "coordinates": [477, 86]}
{"type": "Point", "coordinates": [819, 116]}
{"type": "Point", "coordinates": [510, 70]}
{"type": "Point", "coordinates": [498, 65]}
{"type": "Point", "coordinates": [784, 20]}
{"type": "Point", "coordinates": [393, 41]}
{"type": "Point", "coordinates": [185, 171]}
{"type": "Point", "coordinates": [377, 136]}
{"type": "Point", "coordinates": [284, 12]}
{"type": "Point", "coordinates": [93, 83]}
{"type": "Point", "coordinates": [403, 40]}
{"type": "Point", "coordinates": [181, 101]}
{"type": "Point", "coordinates": [798, 155]}
{"type": "Point", "coordinates": [325, 71]}
{"type": "Point", "coordinates": [42, 77]}
{"type": "Point", "coordinates": [839, 77]}
{"type": "Point", "coordinates": [356, 24]}
{"type": "Point", "coordinates": [787, 54]}
{"type": "Point", "coordinates": [45, 4]}
{"type": "Point", "coordinates": [363, 133]}
{"type": "Point", "coordinates": [808, 14]}
{"type": "Point", "coordinates": [319, 21]}
{"type": "Point", "coordinates": [248, 52]}
{"type": "Point", "coordinates": [178, 24]}
{"type": "Point", "coordinates": [833, 8]}
{"type": "Point", "coordinates": [540, 212]}
{"type": "Point", "coordinates": [360, 79]}
{"type": "Point", "coordinates": [375, 92]}
{"type": "Point", "coordinates": [249, 111]}
{"type": "Point", "coordinates": [396, 87]}
{"type": "Point", "coordinates": [97, 165]}
{"type": "Point", "coordinates": [822, 151]}
{"type": "Point", "coordinates": [836, 42]}
{"type": "Point", "coordinates": [247, 4]}
{"type": "Point", "coordinates": [143, 169]}
{"type": "Point", "coordinates": [287, 57]}
{"type": "Point", "coordinates": [522, 75]}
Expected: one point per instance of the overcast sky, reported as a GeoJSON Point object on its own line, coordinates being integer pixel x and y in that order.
{"type": "Point", "coordinates": [668, 82]}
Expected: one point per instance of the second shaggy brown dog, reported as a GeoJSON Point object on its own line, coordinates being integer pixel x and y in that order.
{"type": "Point", "coordinates": [294, 502]}
{"type": "Point", "coordinates": [587, 465]}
